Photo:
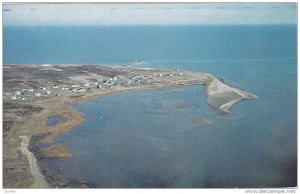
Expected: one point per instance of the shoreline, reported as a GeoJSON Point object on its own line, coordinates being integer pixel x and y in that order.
{"type": "Point", "coordinates": [76, 183]}
{"type": "Point", "coordinates": [53, 179]}
{"type": "Point", "coordinates": [220, 95]}
{"type": "Point", "coordinates": [40, 181]}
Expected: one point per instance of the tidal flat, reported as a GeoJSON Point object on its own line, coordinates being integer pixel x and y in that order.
{"type": "Point", "coordinates": [32, 93]}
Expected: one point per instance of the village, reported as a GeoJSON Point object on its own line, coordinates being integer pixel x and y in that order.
{"type": "Point", "coordinates": [32, 93]}
{"type": "Point", "coordinates": [102, 83]}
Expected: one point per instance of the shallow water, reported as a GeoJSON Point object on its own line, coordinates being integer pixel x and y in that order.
{"type": "Point", "coordinates": [53, 120]}
{"type": "Point", "coordinates": [149, 138]}
{"type": "Point", "coordinates": [142, 139]}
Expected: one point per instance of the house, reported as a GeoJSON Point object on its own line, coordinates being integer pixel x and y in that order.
{"type": "Point", "coordinates": [180, 73]}
{"type": "Point", "coordinates": [23, 90]}
{"type": "Point", "coordinates": [24, 99]}
{"type": "Point", "coordinates": [55, 86]}
{"type": "Point", "coordinates": [75, 86]}
{"type": "Point", "coordinates": [115, 79]}
{"type": "Point", "coordinates": [110, 79]}
{"type": "Point", "coordinates": [37, 94]}
{"type": "Point", "coordinates": [13, 98]}
{"type": "Point", "coordinates": [42, 88]}
{"type": "Point", "coordinates": [96, 83]}
{"type": "Point", "coordinates": [86, 84]}
{"type": "Point", "coordinates": [30, 90]}
{"type": "Point", "coordinates": [48, 92]}
{"type": "Point", "coordinates": [81, 90]}
{"type": "Point", "coordinates": [7, 94]}
{"type": "Point", "coordinates": [17, 93]}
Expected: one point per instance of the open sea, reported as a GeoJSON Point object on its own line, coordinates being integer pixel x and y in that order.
{"type": "Point", "coordinates": [150, 138]}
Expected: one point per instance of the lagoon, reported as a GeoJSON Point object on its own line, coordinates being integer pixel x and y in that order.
{"type": "Point", "coordinates": [150, 138]}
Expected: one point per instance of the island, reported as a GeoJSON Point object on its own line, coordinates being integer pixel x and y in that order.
{"type": "Point", "coordinates": [32, 93]}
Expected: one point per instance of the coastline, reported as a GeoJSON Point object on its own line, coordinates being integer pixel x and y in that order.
{"type": "Point", "coordinates": [63, 182]}
{"type": "Point", "coordinates": [220, 95]}
{"type": "Point", "coordinates": [40, 181]}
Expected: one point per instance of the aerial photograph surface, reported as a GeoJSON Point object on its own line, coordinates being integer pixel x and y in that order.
{"type": "Point", "coordinates": [149, 95]}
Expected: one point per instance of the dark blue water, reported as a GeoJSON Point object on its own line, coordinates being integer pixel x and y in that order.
{"type": "Point", "coordinates": [120, 44]}
{"type": "Point", "coordinates": [54, 120]}
{"type": "Point", "coordinates": [142, 139]}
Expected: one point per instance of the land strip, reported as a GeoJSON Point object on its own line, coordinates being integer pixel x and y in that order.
{"type": "Point", "coordinates": [34, 92]}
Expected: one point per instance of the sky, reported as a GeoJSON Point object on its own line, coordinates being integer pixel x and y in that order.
{"type": "Point", "coordinates": [149, 14]}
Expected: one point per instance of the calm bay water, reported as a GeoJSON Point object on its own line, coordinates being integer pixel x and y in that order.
{"type": "Point", "coordinates": [144, 139]}
{"type": "Point", "coordinates": [53, 120]}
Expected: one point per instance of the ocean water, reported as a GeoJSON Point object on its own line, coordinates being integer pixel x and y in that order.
{"type": "Point", "coordinates": [149, 138]}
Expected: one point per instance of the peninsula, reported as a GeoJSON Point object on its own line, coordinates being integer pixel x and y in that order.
{"type": "Point", "coordinates": [32, 93]}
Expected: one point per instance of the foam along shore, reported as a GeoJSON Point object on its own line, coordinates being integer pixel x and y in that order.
{"type": "Point", "coordinates": [223, 96]}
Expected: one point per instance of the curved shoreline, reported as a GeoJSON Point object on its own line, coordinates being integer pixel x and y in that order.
{"type": "Point", "coordinates": [39, 180]}
{"type": "Point", "coordinates": [220, 95]}
{"type": "Point", "coordinates": [223, 96]}
{"type": "Point", "coordinates": [66, 183]}
{"type": "Point", "coordinates": [52, 178]}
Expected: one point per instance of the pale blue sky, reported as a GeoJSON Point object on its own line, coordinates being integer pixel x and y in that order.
{"type": "Point", "coordinates": [140, 14]}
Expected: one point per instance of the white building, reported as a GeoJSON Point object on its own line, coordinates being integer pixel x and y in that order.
{"type": "Point", "coordinates": [24, 99]}
{"type": "Point", "coordinates": [42, 88]}
{"type": "Point", "coordinates": [13, 98]}
{"type": "Point", "coordinates": [48, 92]}
{"type": "Point", "coordinates": [115, 78]}
{"type": "Point", "coordinates": [30, 90]}
{"type": "Point", "coordinates": [75, 86]}
{"type": "Point", "coordinates": [86, 84]}
{"type": "Point", "coordinates": [55, 86]}
{"type": "Point", "coordinates": [37, 94]}
{"type": "Point", "coordinates": [17, 93]}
